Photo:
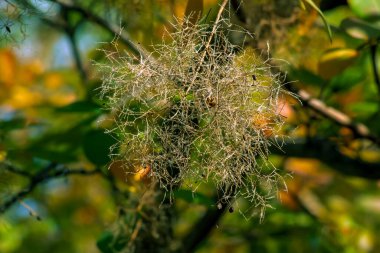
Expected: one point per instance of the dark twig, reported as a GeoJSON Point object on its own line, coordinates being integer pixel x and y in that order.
{"type": "Point", "coordinates": [202, 229]}
{"type": "Point", "coordinates": [41, 177]}
{"type": "Point", "coordinates": [328, 152]}
{"type": "Point", "coordinates": [359, 130]}
{"type": "Point", "coordinates": [114, 30]}
{"type": "Point", "coordinates": [328, 5]}
{"type": "Point", "coordinates": [64, 26]}
{"type": "Point", "coordinates": [70, 32]}
{"type": "Point", "coordinates": [76, 54]}
{"type": "Point", "coordinates": [11, 168]}
{"type": "Point", "coordinates": [376, 76]}
{"type": "Point", "coordinates": [240, 14]}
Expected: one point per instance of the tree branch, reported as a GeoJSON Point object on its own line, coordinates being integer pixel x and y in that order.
{"type": "Point", "coordinates": [11, 168]}
{"type": "Point", "coordinates": [113, 30]}
{"type": "Point", "coordinates": [41, 177]}
{"type": "Point", "coordinates": [202, 229]}
{"type": "Point", "coordinates": [359, 130]}
{"type": "Point", "coordinates": [328, 153]}
{"type": "Point", "coordinates": [240, 14]}
{"type": "Point", "coordinates": [373, 49]}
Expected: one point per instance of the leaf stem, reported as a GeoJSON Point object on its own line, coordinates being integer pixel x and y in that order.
{"type": "Point", "coordinates": [376, 76]}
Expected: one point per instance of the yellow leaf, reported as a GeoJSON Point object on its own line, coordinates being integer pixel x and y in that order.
{"type": "Point", "coordinates": [3, 155]}
{"type": "Point", "coordinates": [53, 80]}
{"type": "Point", "coordinates": [335, 61]}
{"type": "Point", "coordinates": [8, 67]}
{"type": "Point", "coordinates": [23, 97]}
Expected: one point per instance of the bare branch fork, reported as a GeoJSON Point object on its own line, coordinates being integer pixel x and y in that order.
{"type": "Point", "coordinates": [359, 129]}
{"type": "Point", "coordinates": [52, 171]}
{"type": "Point", "coordinates": [113, 30]}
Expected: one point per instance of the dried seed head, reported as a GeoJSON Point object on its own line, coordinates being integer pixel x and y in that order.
{"type": "Point", "coordinates": [198, 112]}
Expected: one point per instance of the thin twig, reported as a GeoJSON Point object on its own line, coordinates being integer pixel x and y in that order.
{"type": "Point", "coordinates": [212, 34]}
{"type": "Point", "coordinates": [122, 36]}
{"type": "Point", "coordinates": [376, 76]}
{"type": "Point", "coordinates": [42, 177]}
{"type": "Point", "coordinates": [328, 153]}
{"type": "Point", "coordinates": [76, 55]}
{"type": "Point", "coordinates": [202, 229]}
{"type": "Point", "coordinates": [359, 130]}
{"type": "Point", "coordinates": [11, 168]}
{"type": "Point", "coordinates": [31, 211]}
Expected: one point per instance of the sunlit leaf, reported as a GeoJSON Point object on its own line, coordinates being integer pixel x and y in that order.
{"type": "Point", "coordinates": [335, 61]}
{"type": "Point", "coordinates": [360, 29]}
{"type": "Point", "coordinates": [302, 5]}
{"type": "Point", "coordinates": [8, 63]}
{"type": "Point", "coordinates": [364, 8]}
{"type": "Point", "coordinates": [364, 107]}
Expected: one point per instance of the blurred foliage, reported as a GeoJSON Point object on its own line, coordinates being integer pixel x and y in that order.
{"type": "Point", "coordinates": [55, 150]}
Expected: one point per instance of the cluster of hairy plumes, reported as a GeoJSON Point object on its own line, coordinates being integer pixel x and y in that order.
{"type": "Point", "coordinates": [198, 109]}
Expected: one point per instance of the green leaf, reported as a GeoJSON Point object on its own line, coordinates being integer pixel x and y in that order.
{"type": "Point", "coordinates": [347, 79]}
{"type": "Point", "coordinates": [327, 26]}
{"type": "Point", "coordinates": [96, 146]}
{"type": "Point", "coordinates": [120, 243]}
{"type": "Point", "coordinates": [192, 197]}
{"type": "Point", "coordinates": [60, 155]}
{"type": "Point", "coordinates": [365, 8]}
{"type": "Point", "coordinates": [334, 61]}
{"type": "Point", "coordinates": [368, 108]}
{"type": "Point", "coordinates": [15, 123]}
{"type": "Point", "coordinates": [360, 29]}
{"type": "Point", "coordinates": [302, 5]}
{"type": "Point", "coordinates": [71, 136]}
{"type": "Point", "coordinates": [335, 16]}
{"type": "Point", "coordinates": [305, 76]}
{"type": "Point", "coordinates": [104, 242]}
{"type": "Point", "coordinates": [79, 106]}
